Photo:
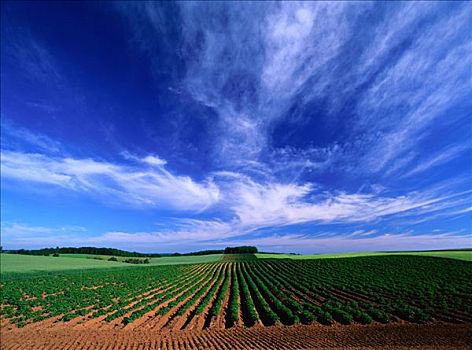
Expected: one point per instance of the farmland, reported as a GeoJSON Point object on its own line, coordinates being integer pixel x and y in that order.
{"type": "Point", "coordinates": [453, 254]}
{"type": "Point", "coordinates": [15, 263]}
{"type": "Point", "coordinates": [243, 292]}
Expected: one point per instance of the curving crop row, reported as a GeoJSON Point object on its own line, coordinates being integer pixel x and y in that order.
{"type": "Point", "coordinates": [267, 315]}
{"type": "Point", "coordinates": [185, 294]}
{"type": "Point", "coordinates": [275, 298]}
{"type": "Point", "coordinates": [211, 293]}
{"type": "Point", "coordinates": [247, 303]}
{"type": "Point", "coordinates": [360, 290]}
{"type": "Point", "coordinates": [221, 293]}
{"type": "Point", "coordinates": [163, 296]}
{"type": "Point", "coordinates": [233, 306]}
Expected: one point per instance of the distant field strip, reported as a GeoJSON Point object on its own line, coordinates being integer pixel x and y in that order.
{"type": "Point", "coordinates": [164, 260]}
{"type": "Point", "coordinates": [16, 263]}
{"type": "Point", "coordinates": [453, 254]}
{"type": "Point", "coordinates": [246, 291]}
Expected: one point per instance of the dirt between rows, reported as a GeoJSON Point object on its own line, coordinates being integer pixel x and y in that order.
{"type": "Point", "coordinates": [391, 336]}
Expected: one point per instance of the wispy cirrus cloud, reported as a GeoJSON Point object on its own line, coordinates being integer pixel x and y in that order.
{"type": "Point", "coordinates": [274, 65]}
{"type": "Point", "coordinates": [423, 84]}
{"type": "Point", "coordinates": [199, 234]}
{"type": "Point", "coordinates": [347, 243]}
{"type": "Point", "coordinates": [304, 243]}
{"type": "Point", "coordinates": [188, 230]}
{"type": "Point", "coordinates": [308, 113]}
{"type": "Point", "coordinates": [256, 207]}
{"type": "Point", "coordinates": [14, 137]}
{"type": "Point", "coordinates": [260, 205]}
{"type": "Point", "coordinates": [16, 234]}
{"type": "Point", "coordinates": [35, 58]}
{"type": "Point", "coordinates": [445, 156]}
{"type": "Point", "coordinates": [142, 186]}
{"type": "Point", "coordinates": [247, 205]}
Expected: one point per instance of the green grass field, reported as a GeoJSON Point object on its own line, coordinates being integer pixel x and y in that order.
{"type": "Point", "coordinates": [165, 260]}
{"type": "Point", "coordinates": [26, 263]}
{"type": "Point", "coordinates": [179, 260]}
{"type": "Point", "coordinates": [453, 254]}
{"type": "Point", "coordinates": [15, 263]}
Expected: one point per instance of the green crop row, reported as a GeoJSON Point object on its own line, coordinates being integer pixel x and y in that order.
{"type": "Point", "coordinates": [247, 303]}
{"type": "Point", "coordinates": [345, 290]}
{"type": "Point", "coordinates": [234, 298]}
{"type": "Point", "coordinates": [217, 305]}
{"type": "Point", "coordinates": [209, 296]}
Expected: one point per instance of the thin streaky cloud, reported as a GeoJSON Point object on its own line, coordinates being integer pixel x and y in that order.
{"type": "Point", "coordinates": [198, 123]}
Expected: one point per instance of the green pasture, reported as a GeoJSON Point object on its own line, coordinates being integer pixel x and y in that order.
{"type": "Point", "coordinates": [453, 254]}
{"type": "Point", "coordinates": [190, 259]}
{"type": "Point", "coordinates": [165, 260]}
{"type": "Point", "coordinates": [16, 263]}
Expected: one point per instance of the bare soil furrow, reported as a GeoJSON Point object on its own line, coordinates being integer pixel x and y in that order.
{"type": "Point", "coordinates": [219, 320]}
{"type": "Point", "coordinates": [198, 321]}
{"type": "Point", "coordinates": [158, 321]}
{"type": "Point", "coordinates": [391, 336]}
{"type": "Point", "coordinates": [189, 280]}
{"type": "Point", "coordinates": [179, 322]}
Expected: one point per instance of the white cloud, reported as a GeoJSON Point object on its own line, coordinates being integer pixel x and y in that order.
{"type": "Point", "coordinates": [20, 229]}
{"type": "Point", "coordinates": [24, 235]}
{"type": "Point", "coordinates": [251, 64]}
{"type": "Point", "coordinates": [298, 39]}
{"type": "Point", "coordinates": [443, 157]}
{"type": "Point", "coordinates": [155, 187]}
{"type": "Point", "coordinates": [13, 135]}
{"type": "Point", "coordinates": [150, 159]}
{"type": "Point", "coordinates": [362, 233]}
{"type": "Point", "coordinates": [427, 79]}
{"type": "Point", "coordinates": [35, 58]}
{"type": "Point", "coordinates": [249, 205]}
{"type": "Point", "coordinates": [301, 243]}
{"type": "Point", "coordinates": [254, 62]}
{"type": "Point", "coordinates": [257, 205]}
{"type": "Point", "coordinates": [385, 242]}
{"type": "Point", "coordinates": [189, 231]}
{"type": "Point", "coordinates": [154, 160]}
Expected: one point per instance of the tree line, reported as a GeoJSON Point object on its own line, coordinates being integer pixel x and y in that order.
{"type": "Point", "coordinates": [123, 253]}
{"type": "Point", "coordinates": [82, 250]}
{"type": "Point", "coordinates": [241, 250]}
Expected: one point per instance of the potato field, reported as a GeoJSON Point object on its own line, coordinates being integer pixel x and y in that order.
{"type": "Point", "coordinates": [242, 291]}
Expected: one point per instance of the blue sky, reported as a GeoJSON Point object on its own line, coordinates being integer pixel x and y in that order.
{"type": "Point", "coordinates": [296, 127]}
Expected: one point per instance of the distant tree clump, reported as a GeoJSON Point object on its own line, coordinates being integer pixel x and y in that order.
{"type": "Point", "coordinates": [113, 259]}
{"type": "Point", "coordinates": [55, 255]}
{"type": "Point", "coordinates": [241, 250]}
{"type": "Point", "coordinates": [201, 252]}
{"type": "Point", "coordinates": [136, 261]}
{"type": "Point", "coordinates": [205, 252]}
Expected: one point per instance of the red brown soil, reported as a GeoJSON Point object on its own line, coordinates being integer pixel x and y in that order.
{"type": "Point", "coordinates": [391, 336]}
{"type": "Point", "coordinates": [205, 319]}
{"type": "Point", "coordinates": [147, 295]}
{"type": "Point", "coordinates": [198, 321]}
{"type": "Point", "coordinates": [172, 317]}
{"type": "Point", "coordinates": [153, 321]}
